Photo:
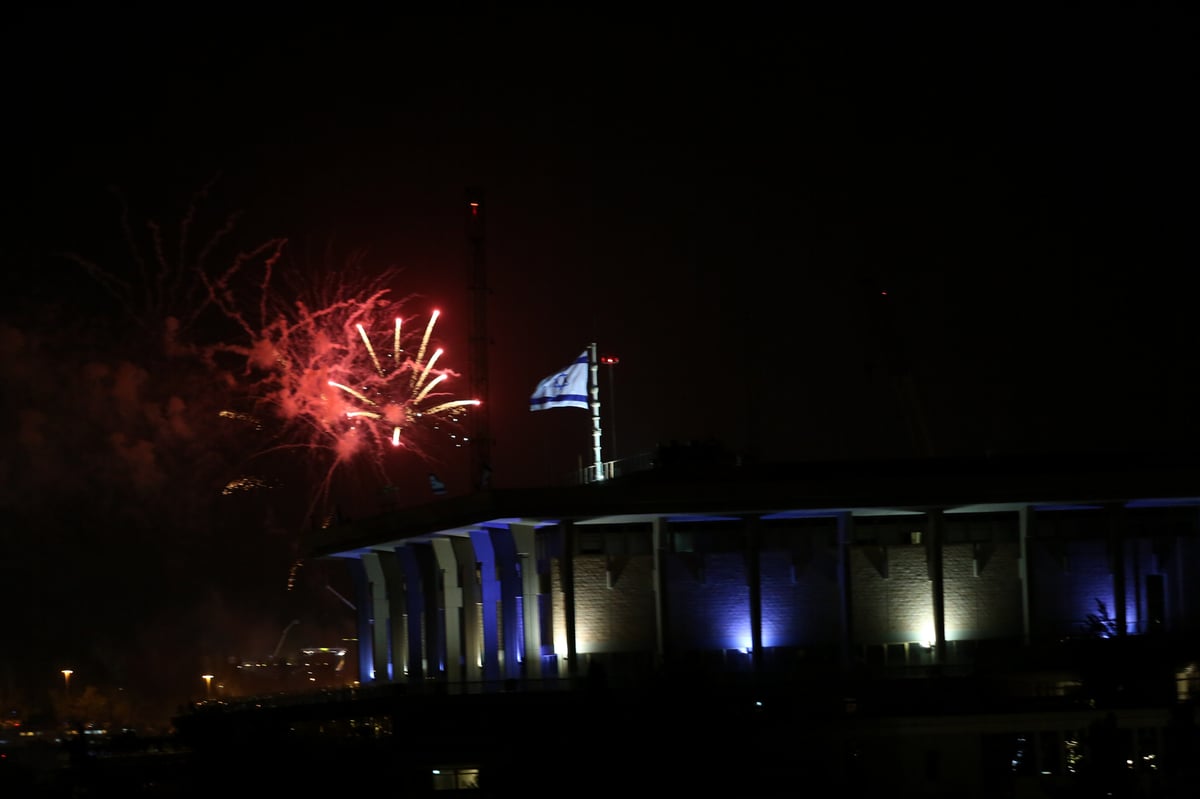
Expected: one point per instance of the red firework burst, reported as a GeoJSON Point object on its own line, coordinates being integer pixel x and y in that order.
{"type": "Point", "coordinates": [350, 377]}
{"type": "Point", "coordinates": [324, 361]}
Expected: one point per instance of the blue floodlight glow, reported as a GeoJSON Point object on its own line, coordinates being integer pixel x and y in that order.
{"type": "Point", "coordinates": [1186, 502]}
{"type": "Point", "coordinates": [803, 514]}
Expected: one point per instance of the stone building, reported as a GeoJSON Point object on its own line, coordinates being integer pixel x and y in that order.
{"type": "Point", "coordinates": [991, 627]}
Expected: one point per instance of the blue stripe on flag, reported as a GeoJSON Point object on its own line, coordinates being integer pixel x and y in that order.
{"type": "Point", "coordinates": [565, 389]}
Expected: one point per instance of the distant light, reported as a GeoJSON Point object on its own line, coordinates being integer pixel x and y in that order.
{"type": "Point", "coordinates": [610, 360]}
{"type": "Point", "coordinates": [317, 650]}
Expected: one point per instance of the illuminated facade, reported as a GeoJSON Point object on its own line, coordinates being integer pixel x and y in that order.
{"type": "Point", "coordinates": [743, 569]}
{"type": "Point", "coordinates": [946, 626]}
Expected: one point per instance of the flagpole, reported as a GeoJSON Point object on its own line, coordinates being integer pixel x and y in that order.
{"type": "Point", "coordinates": [594, 395]}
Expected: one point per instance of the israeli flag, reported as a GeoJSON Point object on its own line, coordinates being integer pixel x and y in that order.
{"type": "Point", "coordinates": [566, 389]}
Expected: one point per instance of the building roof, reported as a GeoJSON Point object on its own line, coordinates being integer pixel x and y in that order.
{"type": "Point", "coordinates": [704, 484]}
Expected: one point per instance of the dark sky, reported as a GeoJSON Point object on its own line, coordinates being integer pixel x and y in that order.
{"type": "Point", "coordinates": [718, 201]}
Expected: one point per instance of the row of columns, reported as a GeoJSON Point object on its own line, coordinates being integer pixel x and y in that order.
{"type": "Point", "coordinates": [457, 608]}
{"type": "Point", "coordinates": [472, 608]}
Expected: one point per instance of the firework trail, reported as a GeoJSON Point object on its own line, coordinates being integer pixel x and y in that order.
{"type": "Point", "coordinates": [164, 292]}
{"type": "Point", "coordinates": [322, 363]}
{"type": "Point", "coordinates": [342, 369]}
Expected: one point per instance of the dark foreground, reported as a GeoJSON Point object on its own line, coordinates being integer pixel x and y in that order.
{"type": "Point", "coordinates": [593, 742]}
{"type": "Point", "coordinates": [168, 769]}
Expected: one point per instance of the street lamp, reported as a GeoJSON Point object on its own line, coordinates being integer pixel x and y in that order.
{"type": "Point", "coordinates": [208, 678]}
{"type": "Point", "coordinates": [611, 361]}
{"type": "Point", "coordinates": [66, 673]}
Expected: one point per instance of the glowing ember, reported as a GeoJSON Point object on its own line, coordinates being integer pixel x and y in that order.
{"type": "Point", "coordinates": [398, 396]}
{"type": "Point", "coordinates": [317, 366]}
{"type": "Point", "coordinates": [323, 362]}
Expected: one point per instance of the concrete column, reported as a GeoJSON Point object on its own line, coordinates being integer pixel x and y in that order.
{"type": "Point", "coordinates": [381, 667]}
{"type": "Point", "coordinates": [452, 603]}
{"type": "Point", "coordinates": [508, 571]}
{"type": "Point", "coordinates": [414, 604]}
{"type": "Point", "coordinates": [1025, 518]}
{"type": "Point", "coordinates": [364, 608]}
{"type": "Point", "coordinates": [472, 642]}
{"type": "Point", "coordinates": [754, 581]}
{"type": "Point", "coordinates": [525, 540]}
{"type": "Point", "coordinates": [660, 542]}
{"type": "Point", "coordinates": [397, 642]}
{"type": "Point", "coordinates": [1114, 516]}
{"type": "Point", "coordinates": [845, 536]}
{"type": "Point", "coordinates": [567, 565]}
{"type": "Point", "coordinates": [934, 558]}
{"type": "Point", "coordinates": [432, 621]}
{"type": "Point", "coordinates": [489, 589]}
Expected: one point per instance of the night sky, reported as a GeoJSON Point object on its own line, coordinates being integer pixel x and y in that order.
{"type": "Point", "coordinates": [720, 202]}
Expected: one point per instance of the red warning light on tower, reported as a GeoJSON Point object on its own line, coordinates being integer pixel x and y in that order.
{"type": "Point", "coordinates": [610, 360]}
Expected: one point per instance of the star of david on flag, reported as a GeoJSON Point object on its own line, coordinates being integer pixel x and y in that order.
{"type": "Point", "coordinates": [565, 389]}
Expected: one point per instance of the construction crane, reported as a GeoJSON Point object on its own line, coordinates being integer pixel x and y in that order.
{"type": "Point", "coordinates": [282, 636]}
